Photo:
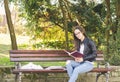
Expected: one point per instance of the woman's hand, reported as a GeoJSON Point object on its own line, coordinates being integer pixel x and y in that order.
{"type": "Point", "coordinates": [79, 59]}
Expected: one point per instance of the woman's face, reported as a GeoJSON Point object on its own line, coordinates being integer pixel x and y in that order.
{"type": "Point", "coordinates": [78, 34]}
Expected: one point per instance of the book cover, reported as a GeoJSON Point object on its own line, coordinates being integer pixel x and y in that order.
{"type": "Point", "coordinates": [74, 54]}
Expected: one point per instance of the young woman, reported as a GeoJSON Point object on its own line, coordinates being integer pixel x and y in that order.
{"type": "Point", "coordinates": [85, 46]}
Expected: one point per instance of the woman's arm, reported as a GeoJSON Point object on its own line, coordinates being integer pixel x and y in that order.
{"type": "Point", "coordinates": [93, 49]}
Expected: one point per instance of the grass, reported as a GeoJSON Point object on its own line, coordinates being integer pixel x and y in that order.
{"type": "Point", "coordinates": [4, 50]}
{"type": "Point", "coordinates": [23, 42]}
{"type": "Point", "coordinates": [5, 46]}
{"type": "Point", "coordinates": [5, 61]}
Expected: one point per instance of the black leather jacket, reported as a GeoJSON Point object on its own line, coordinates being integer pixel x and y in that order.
{"type": "Point", "coordinates": [90, 51]}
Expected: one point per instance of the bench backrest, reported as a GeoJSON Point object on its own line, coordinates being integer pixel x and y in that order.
{"type": "Point", "coordinates": [43, 55]}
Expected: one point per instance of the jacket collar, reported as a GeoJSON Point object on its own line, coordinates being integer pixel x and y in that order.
{"type": "Point", "coordinates": [84, 40]}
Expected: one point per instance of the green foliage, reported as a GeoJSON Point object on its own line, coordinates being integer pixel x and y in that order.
{"type": "Point", "coordinates": [5, 61]}
{"type": "Point", "coordinates": [115, 60]}
{"type": "Point", "coordinates": [114, 54]}
{"type": "Point", "coordinates": [24, 46]}
{"type": "Point", "coordinates": [91, 20]}
{"type": "Point", "coordinates": [41, 15]}
{"type": "Point", "coordinates": [51, 45]}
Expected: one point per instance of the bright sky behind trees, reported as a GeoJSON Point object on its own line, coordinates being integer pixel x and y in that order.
{"type": "Point", "coordinates": [2, 10]}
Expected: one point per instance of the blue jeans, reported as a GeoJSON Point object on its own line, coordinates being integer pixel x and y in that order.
{"type": "Point", "coordinates": [76, 68]}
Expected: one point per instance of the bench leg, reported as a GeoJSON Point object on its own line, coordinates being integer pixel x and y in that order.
{"type": "Point", "coordinates": [105, 74]}
{"type": "Point", "coordinates": [97, 77]}
{"type": "Point", "coordinates": [32, 78]}
{"type": "Point", "coordinates": [18, 77]}
{"type": "Point", "coordinates": [46, 77]}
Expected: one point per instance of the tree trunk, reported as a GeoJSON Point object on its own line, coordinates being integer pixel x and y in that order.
{"type": "Point", "coordinates": [10, 26]}
{"type": "Point", "coordinates": [108, 24]}
{"type": "Point", "coordinates": [117, 13]}
{"type": "Point", "coordinates": [65, 23]}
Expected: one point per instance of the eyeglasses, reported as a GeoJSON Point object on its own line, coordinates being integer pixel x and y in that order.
{"type": "Point", "coordinates": [77, 33]}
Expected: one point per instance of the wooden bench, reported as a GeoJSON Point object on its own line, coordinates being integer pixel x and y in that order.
{"type": "Point", "coordinates": [19, 56]}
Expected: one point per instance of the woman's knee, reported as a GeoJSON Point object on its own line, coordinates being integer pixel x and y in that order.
{"type": "Point", "coordinates": [68, 62]}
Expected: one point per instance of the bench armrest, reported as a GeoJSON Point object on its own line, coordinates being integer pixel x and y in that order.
{"type": "Point", "coordinates": [107, 65]}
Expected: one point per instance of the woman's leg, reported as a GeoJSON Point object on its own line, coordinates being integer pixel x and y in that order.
{"type": "Point", "coordinates": [81, 68]}
{"type": "Point", "coordinates": [70, 65]}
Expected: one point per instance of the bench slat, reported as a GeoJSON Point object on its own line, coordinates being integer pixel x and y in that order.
{"type": "Point", "coordinates": [99, 59]}
{"type": "Point", "coordinates": [44, 55]}
{"type": "Point", "coordinates": [57, 71]}
{"type": "Point", "coordinates": [41, 55]}
{"type": "Point", "coordinates": [38, 55]}
{"type": "Point", "coordinates": [40, 59]}
{"type": "Point", "coordinates": [100, 55]}
{"type": "Point", "coordinates": [46, 59]}
{"type": "Point", "coordinates": [37, 51]}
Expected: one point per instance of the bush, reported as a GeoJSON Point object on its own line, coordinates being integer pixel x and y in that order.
{"type": "Point", "coordinates": [51, 45]}
{"type": "Point", "coordinates": [114, 48]}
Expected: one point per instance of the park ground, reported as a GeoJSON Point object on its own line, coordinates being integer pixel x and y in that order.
{"type": "Point", "coordinates": [5, 46]}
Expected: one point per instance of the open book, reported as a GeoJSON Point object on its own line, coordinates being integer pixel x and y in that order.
{"type": "Point", "coordinates": [74, 54]}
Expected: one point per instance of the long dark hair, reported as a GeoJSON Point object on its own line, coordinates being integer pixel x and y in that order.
{"type": "Point", "coordinates": [76, 40]}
